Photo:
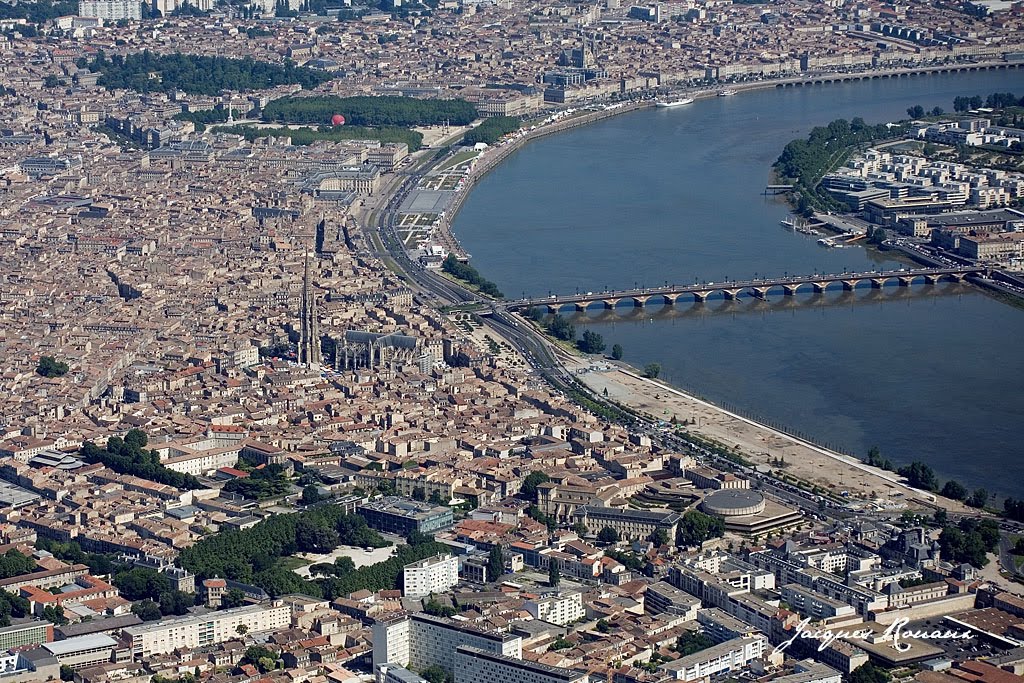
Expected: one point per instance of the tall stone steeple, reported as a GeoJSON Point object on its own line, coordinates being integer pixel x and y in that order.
{"type": "Point", "coordinates": [309, 322]}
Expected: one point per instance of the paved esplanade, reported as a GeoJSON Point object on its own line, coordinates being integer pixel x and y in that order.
{"type": "Point", "coordinates": [757, 288]}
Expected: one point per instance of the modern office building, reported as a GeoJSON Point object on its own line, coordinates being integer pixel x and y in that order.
{"type": "Point", "coordinates": [82, 652]}
{"type": "Point", "coordinates": [19, 635]}
{"type": "Point", "coordinates": [401, 516]}
{"type": "Point", "coordinates": [473, 665]}
{"type": "Point", "coordinates": [200, 630]}
{"type": "Point", "coordinates": [431, 575]}
{"type": "Point", "coordinates": [559, 609]}
{"type": "Point", "coordinates": [420, 640]}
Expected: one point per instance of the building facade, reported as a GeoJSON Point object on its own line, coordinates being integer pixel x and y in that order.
{"type": "Point", "coordinates": [419, 640]}
{"type": "Point", "coordinates": [431, 575]}
{"type": "Point", "coordinates": [473, 665]}
{"type": "Point", "coordinates": [200, 630]}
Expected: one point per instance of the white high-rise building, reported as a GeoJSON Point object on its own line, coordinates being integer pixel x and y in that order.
{"type": "Point", "coordinates": [477, 666]}
{"type": "Point", "coordinates": [559, 609]}
{"type": "Point", "coordinates": [110, 10]}
{"type": "Point", "coordinates": [431, 575]}
{"type": "Point", "coordinates": [419, 640]}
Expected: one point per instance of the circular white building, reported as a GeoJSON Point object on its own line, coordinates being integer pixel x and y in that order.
{"type": "Point", "coordinates": [733, 503]}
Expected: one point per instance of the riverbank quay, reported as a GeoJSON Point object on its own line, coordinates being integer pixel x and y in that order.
{"type": "Point", "coordinates": [763, 446]}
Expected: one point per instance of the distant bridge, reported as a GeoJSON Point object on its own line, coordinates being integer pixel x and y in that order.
{"type": "Point", "coordinates": [839, 77]}
{"type": "Point", "coordinates": [757, 288]}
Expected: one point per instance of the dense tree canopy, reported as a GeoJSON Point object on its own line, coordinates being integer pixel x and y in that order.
{"type": "Point", "coordinates": [197, 75]}
{"type": "Point", "coordinates": [12, 605]}
{"type": "Point", "coordinates": [468, 273]}
{"type": "Point", "coordinates": [51, 367]}
{"type": "Point", "coordinates": [13, 563]}
{"type": "Point", "coordinates": [591, 342]}
{"type": "Point", "coordinates": [370, 111]}
{"type": "Point", "coordinates": [492, 130]}
{"type": "Point", "coordinates": [696, 527]}
{"type": "Point", "coordinates": [38, 12]}
{"type": "Point", "coordinates": [127, 456]}
{"type": "Point", "coordinates": [920, 476]}
{"type": "Point", "coordinates": [250, 555]}
{"type": "Point", "coordinates": [141, 583]}
{"type": "Point", "coordinates": [266, 482]}
{"type": "Point", "coordinates": [969, 541]}
{"type": "Point", "coordinates": [530, 483]}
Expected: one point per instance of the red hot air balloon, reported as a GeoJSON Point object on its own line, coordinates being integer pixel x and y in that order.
{"type": "Point", "coordinates": [337, 120]}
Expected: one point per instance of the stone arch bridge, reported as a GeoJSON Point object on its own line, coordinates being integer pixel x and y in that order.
{"type": "Point", "coordinates": [757, 288]}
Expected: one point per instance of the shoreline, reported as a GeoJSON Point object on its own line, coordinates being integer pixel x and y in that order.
{"type": "Point", "coordinates": [759, 443]}
{"type": "Point", "coordinates": [490, 162]}
{"type": "Point", "coordinates": [645, 390]}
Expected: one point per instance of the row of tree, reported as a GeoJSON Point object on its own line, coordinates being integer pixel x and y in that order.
{"type": "Point", "coordinates": [201, 119]}
{"type": "Point", "coordinates": [370, 111]}
{"type": "Point", "coordinates": [307, 136]}
{"type": "Point", "coordinates": [492, 130]}
{"type": "Point", "coordinates": [468, 273]}
{"type": "Point", "coordinates": [195, 74]}
{"type": "Point", "coordinates": [129, 456]}
{"type": "Point", "coordinates": [996, 100]}
{"type": "Point", "coordinates": [805, 162]}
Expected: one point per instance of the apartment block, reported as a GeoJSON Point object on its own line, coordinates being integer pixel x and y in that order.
{"type": "Point", "coordinates": [731, 655]}
{"type": "Point", "coordinates": [473, 665]}
{"type": "Point", "coordinates": [557, 609]}
{"type": "Point", "coordinates": [431, 575]}
{"type": "Point", "coordinates": [200, 630]}
{"type": "Point", "coordinates": [420, 640]}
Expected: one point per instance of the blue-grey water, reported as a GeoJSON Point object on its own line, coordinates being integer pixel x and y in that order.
{"type": "Point", "coordinates": [672, 195]}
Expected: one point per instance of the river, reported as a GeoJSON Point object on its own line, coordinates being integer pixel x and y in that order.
{"type": "Point", "coordinates": [675, 195]}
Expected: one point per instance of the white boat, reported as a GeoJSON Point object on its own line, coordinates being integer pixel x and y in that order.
{"type": "Point", "coordinates": [726, 93]}
{"type": "Point", "coordinates": [675, 103]}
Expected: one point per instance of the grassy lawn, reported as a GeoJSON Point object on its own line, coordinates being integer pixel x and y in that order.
{"type": "Point", "coordinates": [291, 563]}
{"type": "Point", "coordinates": [459, 158]}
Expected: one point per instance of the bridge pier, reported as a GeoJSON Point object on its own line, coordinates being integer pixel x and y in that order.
{"type": "Point", "coordinates": [877, 283]}
{"type": "Point", "coordinates": [819, 287]}
{"type": "Point", "coordinates": [552, 310]}
{"type": "Point", "coordinates": [849, 285]}
{"type": "Point", "coordinates": [930, 279]}
{"type": "Point", "coordinates": [760, 292]}
{"type": "Point", "coordinates": [700, 297]}
{"type": "Point", "coordinates": [905, 281]}
{"type": "Point", "coordinates": [731, 294]}
{"type": "Point", "coordinates": [640, 301]}
{"type": "Point", "coordinates": [580, 306]}
{"type": "Point", "coordinates": [789, 290]}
